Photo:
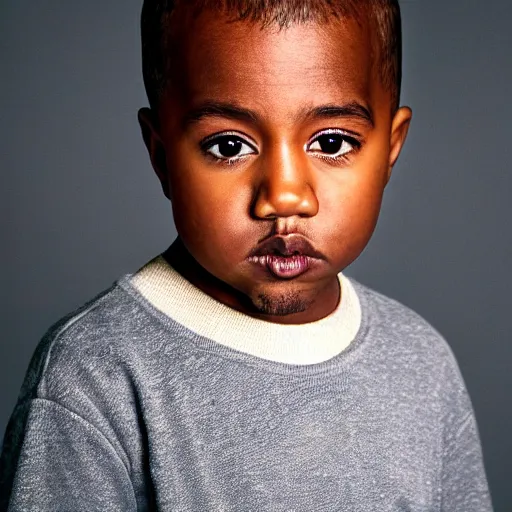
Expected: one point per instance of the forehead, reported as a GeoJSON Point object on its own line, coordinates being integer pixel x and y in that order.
{"type": "Point", "coordinates": [273, 70]}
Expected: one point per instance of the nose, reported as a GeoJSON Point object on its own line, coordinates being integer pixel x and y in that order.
{"type": "Point", "coordinates": [284, 185]}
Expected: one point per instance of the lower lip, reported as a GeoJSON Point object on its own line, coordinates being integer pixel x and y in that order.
{"type": "Point", "coordinates": [282, 266]}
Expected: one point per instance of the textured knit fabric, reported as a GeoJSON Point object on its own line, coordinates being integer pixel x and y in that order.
{"type": "Point", "coordinates": [125, 409]}
{"type": "Point", "coordinates": [309, 343]}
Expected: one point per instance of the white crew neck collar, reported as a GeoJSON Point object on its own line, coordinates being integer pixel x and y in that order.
{"type": "Point", "coordinates": [300, 344]}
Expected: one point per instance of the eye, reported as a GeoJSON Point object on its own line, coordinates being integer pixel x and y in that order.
{"type": "Point", "coordinates": [227, 147]}
{"type": "Point", "coordinates": [332, 144]}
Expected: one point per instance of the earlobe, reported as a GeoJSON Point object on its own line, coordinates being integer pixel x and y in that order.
{"type": "Point", "coordinates": [149, 128]}
{"type": "Point", "coordinates": [399, 129]}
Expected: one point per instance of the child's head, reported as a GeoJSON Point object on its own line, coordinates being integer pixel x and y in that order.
{"type": "Point", "coordinates": [273, 128]}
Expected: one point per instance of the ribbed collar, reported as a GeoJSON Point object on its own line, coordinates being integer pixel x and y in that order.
{"type": "Point", "coordinates": [300, 344]}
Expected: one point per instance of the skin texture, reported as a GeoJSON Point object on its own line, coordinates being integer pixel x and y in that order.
{"type": "Point", "coordinates": [285, 184]}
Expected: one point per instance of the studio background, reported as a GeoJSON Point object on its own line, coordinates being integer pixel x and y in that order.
{"type": "Point", "coordinates": [81, 206]}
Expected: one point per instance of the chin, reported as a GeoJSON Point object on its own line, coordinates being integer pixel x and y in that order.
{"type": "Point", "coordinates": [281, 304]}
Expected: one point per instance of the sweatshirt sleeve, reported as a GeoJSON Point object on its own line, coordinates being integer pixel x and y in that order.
{"type": "Point", "coordinates": [53, 459]}
{"type": "Point", "coordinates": [464, 483]}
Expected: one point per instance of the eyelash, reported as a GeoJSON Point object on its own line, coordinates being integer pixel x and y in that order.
{"type": "Point", "coordinates": [210, 141]}
{"type": "Point", "coordinates": [347, 137]}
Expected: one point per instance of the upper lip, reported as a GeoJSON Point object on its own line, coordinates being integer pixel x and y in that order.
{"type": "Point", "coordinates": [287, 246]}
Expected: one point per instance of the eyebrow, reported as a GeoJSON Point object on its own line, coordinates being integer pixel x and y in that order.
{"type": "Point", "coordinates": [352, 109]}
{"type": "Point", "coordinates": [219, 109]}
{"type": "Point", "coordinates": [232, 111]}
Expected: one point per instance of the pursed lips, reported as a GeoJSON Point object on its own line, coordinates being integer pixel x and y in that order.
{"type": "Point", "coordinates": [286, 246]}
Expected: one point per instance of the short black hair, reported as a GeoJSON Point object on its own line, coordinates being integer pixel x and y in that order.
{"type": "Point", "coordinates": [384, 15]}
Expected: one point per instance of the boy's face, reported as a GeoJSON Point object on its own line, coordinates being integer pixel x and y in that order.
{"type": "Point", "coordinates": [273, 135]}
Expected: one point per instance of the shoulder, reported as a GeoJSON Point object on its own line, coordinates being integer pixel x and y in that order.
{"type": "Point", "coordinates": [82, 369]}
{"type": "Point", "coordinates": [86, 347]}
{"type": "Point", "coordinates": [403, 340]}
{"type": "Point", "coordinates": [396, 319]}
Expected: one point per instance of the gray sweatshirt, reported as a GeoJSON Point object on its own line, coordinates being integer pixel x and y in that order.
{"type": "Point", "coordinates": [124, 409]}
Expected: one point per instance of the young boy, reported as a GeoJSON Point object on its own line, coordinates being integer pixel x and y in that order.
{"type": "Point", "coordinates": [241, 370]}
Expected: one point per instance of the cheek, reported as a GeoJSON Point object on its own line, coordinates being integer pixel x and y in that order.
{"type": "Point", "coordinates": [350, 205]}
{"type": "Point", "coordinates": [210, 215]}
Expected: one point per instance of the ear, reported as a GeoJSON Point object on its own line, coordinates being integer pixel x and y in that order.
{"type": "Point", "coordinates": [148, 121]}
{"type": "Point", "coordinates": [399, 129]}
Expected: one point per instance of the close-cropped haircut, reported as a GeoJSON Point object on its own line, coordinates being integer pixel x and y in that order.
{"type": "Point", "coordinates": [384, 16]}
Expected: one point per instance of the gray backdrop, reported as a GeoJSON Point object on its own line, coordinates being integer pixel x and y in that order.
{"type": "Point", "coordinates": [81, 206]}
